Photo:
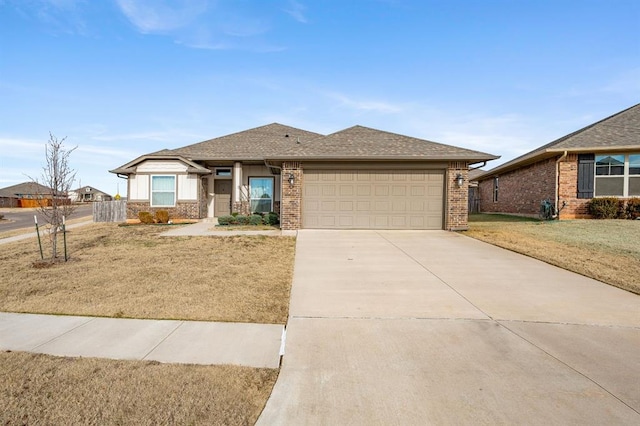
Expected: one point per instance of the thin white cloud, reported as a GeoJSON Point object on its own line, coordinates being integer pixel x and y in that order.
{"type": "Point", "coordinates": [296, 11]}
{"type": "Point", "coordinates": [365, 105]}
{"type": "Point", "coordinates": [58, 16]}
{"type": "Point", "coordinates": [203, 24]}
{"type": "Point", "coordinates": [156, 16]}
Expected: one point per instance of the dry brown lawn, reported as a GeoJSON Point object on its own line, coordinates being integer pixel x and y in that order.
{"type": "Point", "coordinates": [606, 250]}
{"type": "Point", "coordinates": [41, 389]}
{"type": "Point", "coordinates": [130, 271]}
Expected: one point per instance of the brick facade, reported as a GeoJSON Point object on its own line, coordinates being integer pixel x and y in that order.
{"type": "Point", "coordinates": [521, 191]}
{"type": "Point", "coordinates": [570, 206]}
{"type": "Point", "coordinates": [182, 210]}
{"type": "Point", "coordinates": [290, 206]}
{"type": "Point", "coordinates": [456, 217]}
{"type": "Point", "coordinates": [291, 200]}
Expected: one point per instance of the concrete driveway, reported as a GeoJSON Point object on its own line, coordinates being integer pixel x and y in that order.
{"type": "Point", "coordinates": [414, 328]}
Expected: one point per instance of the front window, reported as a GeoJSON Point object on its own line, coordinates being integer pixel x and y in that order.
{"type": "Point", "coordinates": [261, 190]}
{"type": "Point", "coordinates": [617, 175]}
{"type": "Point", "coordinates": [163, 191]}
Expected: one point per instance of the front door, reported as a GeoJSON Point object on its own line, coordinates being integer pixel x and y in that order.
{"type": "Point", "coordinates": [222, 197]}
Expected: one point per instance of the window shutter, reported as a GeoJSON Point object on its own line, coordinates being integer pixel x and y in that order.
{"type": "Point", "coordinates": [586, 175]}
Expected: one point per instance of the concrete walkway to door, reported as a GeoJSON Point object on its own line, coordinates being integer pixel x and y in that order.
{"type": "Point", "coordinates": [432, 327]}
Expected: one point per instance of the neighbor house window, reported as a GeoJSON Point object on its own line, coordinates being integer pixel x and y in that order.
{"type": "Point", "coordinates": [223, 172]}
{"type": "Point", "coordinates": [163, 191]}
{"type": "Point", "coordinates": [495, 189]}
{"type": "Point", "coordinates": [634, 175]}
{"type": "Point", "coordinates": [617, 175]}
{"type": "Point", "coordinates": [261, 194]}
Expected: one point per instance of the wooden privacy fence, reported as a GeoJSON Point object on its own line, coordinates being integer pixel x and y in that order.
{"type": "Point", "coordinates": [110, 211]}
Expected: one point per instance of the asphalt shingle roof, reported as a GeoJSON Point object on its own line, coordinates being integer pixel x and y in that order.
{"type": "Point", "coordinates": [279, 142]}
{"type": "Point", "coordinates": [24, 188]}
{"type": "Point", "coordinates": [360, 142]}
{"type": "Point", "coordinates": [254, 144]}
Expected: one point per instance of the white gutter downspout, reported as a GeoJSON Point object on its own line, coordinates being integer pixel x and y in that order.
{"type": "Point", "coordinates": [557, 199]}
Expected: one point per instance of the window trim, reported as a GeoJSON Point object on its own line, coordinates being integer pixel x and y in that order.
{"type": "Point", "coordinates": [626, 176]}
{"type": "Point", "coordinates": [273, 188]}
{"type": "Point", "coordinates": [175, 190]}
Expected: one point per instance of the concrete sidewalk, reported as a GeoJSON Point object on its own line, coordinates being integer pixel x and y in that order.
{"type": "Point", "coordinates": [185, 342]}
{"type": "Point", "coordinates": [432, 327]}
{"type": "Point", "coordinates": [33, 234]}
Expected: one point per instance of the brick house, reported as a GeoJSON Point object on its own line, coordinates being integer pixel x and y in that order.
{"type": "Point", "coordinates": [602, 159]}
{"type": "Point", "coordinates": [25, 194]}
{"type": "Point", "coordinates": [87, 194]}
{"type": "Point", "coordinates": [357, 178]}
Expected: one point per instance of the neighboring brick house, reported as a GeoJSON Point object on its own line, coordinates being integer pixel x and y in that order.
{"type": "Point", "coordinates": [358, 178]}
{"type": "Point", "coordinates": [87, 194]}
{"type": "Point", "coordinates": [26, 194]}
{"type": "Point", "coordinates": [600, 160]}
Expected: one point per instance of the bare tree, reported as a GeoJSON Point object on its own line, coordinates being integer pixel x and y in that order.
{"type": "Point", "coordinates": [58, 177]}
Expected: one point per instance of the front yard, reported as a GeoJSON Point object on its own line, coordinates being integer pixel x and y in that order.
{"type": "Point", "coordinates": [606, 250]}
{"type": "Point", "coordinates": [132, 272]}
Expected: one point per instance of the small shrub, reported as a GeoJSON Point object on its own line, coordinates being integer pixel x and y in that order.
{"type": "Point", "coordinates": [234, 214]}
{"type": "Point", "coordinates": [632, 210]}
{"type": "Point", "coordinates": [242, 219]}
{"type": "Point", "coordinates": [226, 220]}
{"type": "Point", "coordinates": [145, 217]}
{"type": "Point", "coordinates": [162, 216]}
{"type": "Point", "coordinates": [271, 219]}
{"type": "Point", "coordinates": [255, 219]}
{"type": "Point", "coordinates": [605, 208]}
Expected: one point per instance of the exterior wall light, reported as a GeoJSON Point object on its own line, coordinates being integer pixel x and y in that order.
{"type": "Point", "coordinates": [292, 179]}
{"type": "Point", "coordinates": [459, 180]}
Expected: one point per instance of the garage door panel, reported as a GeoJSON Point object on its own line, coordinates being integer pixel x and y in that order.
{"type": "Point", "coordinates": [373, 199]}
{"type": "Point", "coordinates": [346, 191]}
{"type": "Point", "coordinates": [381, 206]}
{"type": "Point", "coordinates": [381, 190]}
{"type": "Point", "coordinates": [363, 206]}
{"type": "Point", "coordinates": [346, 206]}
{"type": "Point", "coordinates": [328, 191]}
{"type": "Point", "coordinates": [362, 222]}
{"type": "Point", "coordinates": [399, 190]}
{"type": "Point", "coordinates": [328, 206]}
{"type": "Point", "coordinates": [363, 190]}
{"type": "Point", "coordinates": [418, 191]}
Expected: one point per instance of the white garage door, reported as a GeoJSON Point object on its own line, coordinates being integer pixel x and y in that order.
{"type": "Point", "coordinates": [373, 199]}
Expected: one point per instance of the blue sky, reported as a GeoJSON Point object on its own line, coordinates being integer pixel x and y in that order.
{"type": "Point", "coordinates": [121, 78]}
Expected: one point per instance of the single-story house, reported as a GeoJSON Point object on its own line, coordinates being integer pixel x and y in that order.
{"type": "Point", "coordinates": [600, 160]}
{"type": "Point", "coordinates": [88, 194]}
{"type": "Point", "coordinates": [25, 194]}
{"type": "Point", "coordinates": [357, 178]}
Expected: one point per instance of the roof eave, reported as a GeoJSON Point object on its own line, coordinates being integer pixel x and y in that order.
{"type": "Point", "coordinates": [470, 159]}
{"type": "Point", "coordinates": [534, 157]}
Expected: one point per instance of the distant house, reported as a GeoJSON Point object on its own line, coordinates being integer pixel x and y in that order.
{"type": "Point", "coordinates": [87, 194]}
{"type": "Point", "coordinates": [357, 178]}
{"type": "Point", "coordinates": [600, 160]}
{"type": "Point", "coordinates": [26, 194]}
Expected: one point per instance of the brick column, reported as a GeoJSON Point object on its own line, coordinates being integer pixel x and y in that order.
{"type": "Point", "coordinates": [291, 202]}
{"type": "Point", "coordinates": [574, 208]}
{"type": "Point", "coordinates": [457, 206]}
